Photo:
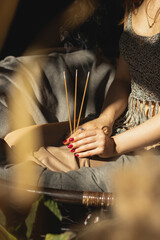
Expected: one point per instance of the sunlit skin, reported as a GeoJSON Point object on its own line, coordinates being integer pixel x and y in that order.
{"type": "Point", "coordinates": [92, 140]}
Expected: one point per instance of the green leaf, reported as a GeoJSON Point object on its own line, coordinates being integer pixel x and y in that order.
{"type": "Point", "coordinates": [63, 236]}
{"type": "Point", "coordinates": [2, 218]}
{"type": "Point", "coordinates": [32, 216]}
{"type": "Point", "coordinates": [53, 207]}
{"type": "Point", "coordinates": [5, 235]}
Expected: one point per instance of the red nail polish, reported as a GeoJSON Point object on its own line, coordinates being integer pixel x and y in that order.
{"type": "Point", "coordinates": [72, 150]}
{"type": "Point", "coordinates": [64, 141]}
{"type": "Point", "coordinates": [77, 155]}
{"type": "Point", "coordinates": [71, 139]}
{"type": "Point", "coordinates": [70, 146]}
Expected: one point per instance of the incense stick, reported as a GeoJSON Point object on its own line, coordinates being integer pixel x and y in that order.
{"type": "Point", "coordinates": [82, 100]}
{"type": "Point", "coordinates": [75, 101]}
{"type": "Point", "coordinates": [70, 124]}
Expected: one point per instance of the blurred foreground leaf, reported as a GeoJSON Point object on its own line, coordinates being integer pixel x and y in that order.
{"type": "Point", "coordinates": [63, 236]}
{"type": "Point", "coordinates": [32, 216]}
{"type": "Point", "coordinates": [53, 207]}
{"type": "Point", "coordinates": [5, 235]}
{"type": "Point", "coordinates": [30, 220]}
{"type": "Point", "coordinates": [2, 218]}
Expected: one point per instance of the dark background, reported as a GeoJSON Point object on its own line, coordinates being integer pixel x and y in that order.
{"type": "Point", "coordinates": [102, 29]}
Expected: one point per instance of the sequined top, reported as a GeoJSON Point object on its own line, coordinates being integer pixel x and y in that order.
{"type": "Point", "coordinates": [142, 53]}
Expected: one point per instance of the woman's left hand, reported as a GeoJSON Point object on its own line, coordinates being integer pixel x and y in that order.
{"type": "Point", "coordinates": [90, 142]}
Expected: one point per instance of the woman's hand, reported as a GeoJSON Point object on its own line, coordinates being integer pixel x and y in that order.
{"type": "Point", "coordinates": [90, 142]}
{"type": "Point", "coordinates": [98, 124]}
{"type": "Point", "coordinates": [90, 125]}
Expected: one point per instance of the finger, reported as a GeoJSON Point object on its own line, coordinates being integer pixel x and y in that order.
{"type": "Point", "coordinates": [89, 153]}
{"type": "Point", "coordinates": [86, 147]}
{"type": "Point", "coordinates": [83, 141]}
{"type": "Point", "coordinates": [69, 139]}
{"type": "Point", "coordinates": [72, 136]}
{"type": "Point", "coordinates": [79, 131]}
{"type": "Point", "coordinates": [85, 134]}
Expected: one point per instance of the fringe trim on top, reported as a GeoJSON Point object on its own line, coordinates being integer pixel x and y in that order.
{"type": "Point", "coordinates": [136, 114]}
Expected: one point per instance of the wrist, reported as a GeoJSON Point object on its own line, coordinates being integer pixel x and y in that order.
{"type": "Point", "coordinates": [110, 149]}
{"type": "Point", "coordinates": [114, 144]}
{"type": "Point", "coordinates": [105, 121]}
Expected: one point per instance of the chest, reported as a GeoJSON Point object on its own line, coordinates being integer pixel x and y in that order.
{"type": "Point", "coordinates": [146, 20]}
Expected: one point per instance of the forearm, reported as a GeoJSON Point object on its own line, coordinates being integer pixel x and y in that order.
{"type": "Point", "coordinates": [115, 103]}
{"type": "Point", "coordinates": [117, 97]}
{"type": "Point", "coordinates": [146, 134]}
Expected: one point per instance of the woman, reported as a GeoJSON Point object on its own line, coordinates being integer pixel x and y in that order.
{"type": "Point", "coordinates": [136, 84]}
{"type": "Point", "coordinates": [130, 117]}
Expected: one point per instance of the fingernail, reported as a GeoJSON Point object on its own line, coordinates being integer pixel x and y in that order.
{"type": "Point", "coordinates": [64, 141]}
{"type": "Point", "coordinates": [70, 146]}
{"type": "Point", "coordinates": [71, 139]}
{"type": "Point", "coordinates": [72, 150]}
{"type": "Point", "coordinates": [77, 155]}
